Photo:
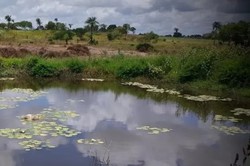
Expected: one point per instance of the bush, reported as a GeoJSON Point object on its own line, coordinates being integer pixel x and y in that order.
{"type": "Point", "coordinates": [154, 72]}
{"type": "Point", "coordinates": [132, 70]}
{"type": "Point", "coordinates": [197, 65]}
{"type": "Point", "coordinates": [75, 66]}
{"type": "Point", "coordinates": [150, 36]}
{"type": "Point", "coordinates": [234, 73]}
{"type": "Point", "coordinates": [38, 68]}
{"type": "Point", "coordinates": [113, 35]}
{"type": "Point", "coordinates": [144, 47]}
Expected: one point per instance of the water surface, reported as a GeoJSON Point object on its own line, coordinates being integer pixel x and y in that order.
{"type": "Point", "coordinates": [112, 112]}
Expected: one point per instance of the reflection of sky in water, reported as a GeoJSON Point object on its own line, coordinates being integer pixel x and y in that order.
{"type": "Point", "coordinates": [114, 118]}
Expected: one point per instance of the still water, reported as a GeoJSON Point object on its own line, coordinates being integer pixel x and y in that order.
{"type": "Point", "coordinates": [113, 113]}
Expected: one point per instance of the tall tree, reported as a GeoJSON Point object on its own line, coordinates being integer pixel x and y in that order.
{"type": "Point", "coordinates": [176, 30]}
{"type": "Point", "coordinates": [133, 29]}
{"type": "Point", "coordinates": [56, 20]}
{"type": "Point", "coordinates": [126, 27]}
{"type": "Point", "coordinates": [111, 27]}
{"type": "Point", "coordinates": [103, 28]}
{"type": "Point", "coordinates": [8, 19]}
{"type": "Point", "coordinates": [70, 26]}
{"type": "Point", "coordinates": [91, 22]}
{"type": "Point", "coordinates": [177, 33]}
{"type": "Point", "coordinates": [50, 26]}
{"type": "Point", "coordinates": [39, 23]}
{"type": "Point", "coordinates": [216, 27]}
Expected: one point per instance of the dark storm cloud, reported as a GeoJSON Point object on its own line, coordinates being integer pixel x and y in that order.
{"type": "Point", "coordinates": [161, 16]}
{"type": "Point", "coordinates": [235, 6]}
{"type": "Point", "coordinates": [180, 5]}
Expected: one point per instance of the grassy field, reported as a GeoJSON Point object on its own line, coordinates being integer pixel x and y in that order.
{"type": "Point", "coordinates": [166, 45]}
{"type": "Point", "coordinates": [195, 63]}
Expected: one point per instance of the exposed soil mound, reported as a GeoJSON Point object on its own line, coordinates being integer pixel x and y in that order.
{"type": "Point", "coordinates": [13, 52]}
{"type": "Point", "coordinates": [78, 50]}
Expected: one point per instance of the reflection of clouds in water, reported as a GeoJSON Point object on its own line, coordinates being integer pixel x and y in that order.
{"type": "Point", "coordinates": [128, 147]}
{"type": "Point", "coordinates": [7, 149]}
{"type": "Point", "coordinates": [102, 106]}
{"type": "Point", "coordinates": [8, 119]}
{"type": "Point", "coordinates": [6, 158]}
{"type": "Point", "coordinates": [126, 112]}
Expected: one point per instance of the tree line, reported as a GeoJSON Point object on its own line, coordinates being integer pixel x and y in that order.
{"type": "Point", "coordinates": [230, 33]}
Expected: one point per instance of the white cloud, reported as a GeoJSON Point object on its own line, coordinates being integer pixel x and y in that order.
{"type": "Point", "coordinates": [147, 15]}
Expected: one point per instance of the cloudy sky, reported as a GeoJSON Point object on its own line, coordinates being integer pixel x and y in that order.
{"type": "Point", "coordinates": [161, 16]}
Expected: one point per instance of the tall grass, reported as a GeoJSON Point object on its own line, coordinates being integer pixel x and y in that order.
{"type": "Point", "coordinates": [227, 67]}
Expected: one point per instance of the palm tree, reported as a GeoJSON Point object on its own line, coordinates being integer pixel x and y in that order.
{"type": "Point", "coordinates": [56, 20]}
{"type": "Point", "coordinates": [216, 26]}
{"type": "Point", "coordinates": [70, 25]}
{"type": "Point", "coordinates": [39, 23]}
{"type": "Point", "coordinates": [8, 19]}
{"type": "Point", "coordinates": [91, 22]}
{"type": "Point", "coordinates": [176, 30]}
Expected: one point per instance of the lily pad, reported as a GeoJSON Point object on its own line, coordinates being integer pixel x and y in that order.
{"type": "Point", "coordinates": [4, 106]}
{"type": "Point", "coordinates": [204, 98]}
{"type": "Point", "coordinates": [153, 130]}
{"type": "Point", "coordinates": [93, 79]}
{"type": "Point", "coordinates": [90, 141]}
{"type": "Point", "coordinates": [20, 95]}
{"type": "Point", "coordinates": [151, 88]}
{"type": "Point", "coordinates": [230, 130]}
{"type": "Point", "coordinates": [224, 118]}
{"type": "Point", "coordinates": [35, 145]}
{"type": "Point", "coordinates": [241, 111]}
{"type": "Point", "coordinates": [7, 79]}
{"type": "Point", "coordinates": [41, 128]}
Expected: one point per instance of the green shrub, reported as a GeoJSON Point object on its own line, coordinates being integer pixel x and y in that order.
{"type": "Point", "coordinates": [38, 68]}
{"type": "Point", "coordinates": [132, 70]}
{"type": "Point", "coordinates": [154, 72]}
{"type": "Point", "coordinates": [197, 65]}
{"type": "Point", "coordinates": [234, 73]}
{"type": "Point", "coordinates": [144, 47]}
{"type": "Point", "coordinates": [75, 66]}
{"type": "Point", "coordinates": [44, 70]}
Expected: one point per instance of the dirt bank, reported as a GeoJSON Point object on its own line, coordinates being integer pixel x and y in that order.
{"type": "Point", "coordinates": [60, 51]}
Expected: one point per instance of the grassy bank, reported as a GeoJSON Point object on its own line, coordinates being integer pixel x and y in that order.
{"type": "Point", "coordinates": [211, 69]}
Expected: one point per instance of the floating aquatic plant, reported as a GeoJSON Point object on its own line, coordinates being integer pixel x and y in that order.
{"type": "Point", "coordinates": [45, 126]}
{"type": "Point", "coordinates": [230, 130]}
{"type": "Point", "coordinates": [74, 101]}
{"type": "Point", "coordinates": [90, 141]}
{"type": "Point", "coordinates": [21, 95]}
{"type": "Point", "coordinates": [156, 90]}
{"type": "Point", "coordinates": [151, 88]}
{"type": "Point", "coordinates": [203, 98]}
{"type": "Point", "coordinates": [240, 111]}
{"type": "Point", "coordinates": [140, 85]}
{"type": "Point", "coordinates": [35, 145]}
{"type": "Point", "coordinates": [51, 114]}
{"type": "Point", "coordinates": [7, 79]}
{"type": "Point", "coordinates": [153, 130]}
{"type": "Point", "coordinates": [4, 106]}
{"type": "Point", "coordinates": [92, 79]}
{"type": "Point", "coordinates": [224, 118]}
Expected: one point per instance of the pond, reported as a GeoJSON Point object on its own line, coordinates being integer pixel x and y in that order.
{"type": "Point", "coordinates": [102, 123]}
